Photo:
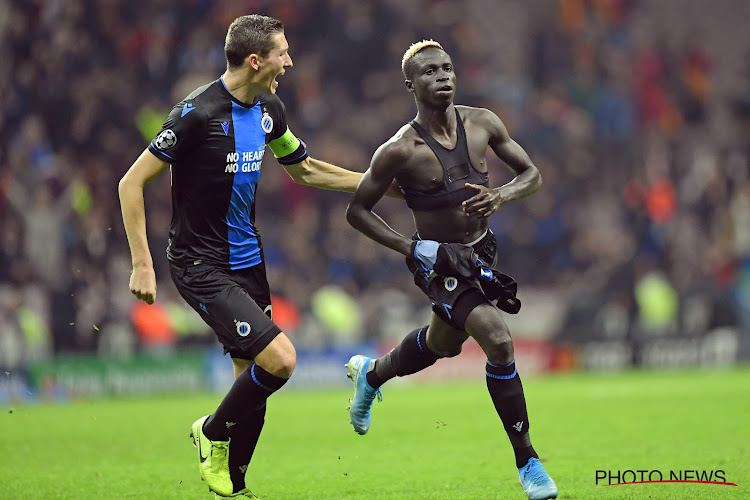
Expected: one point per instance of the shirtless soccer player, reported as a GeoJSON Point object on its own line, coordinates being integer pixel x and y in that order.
{"type": "Point", "coordinates": [438, 160]}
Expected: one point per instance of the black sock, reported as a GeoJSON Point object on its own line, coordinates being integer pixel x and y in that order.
{"type": "Point", "coordinates": [410, 356]}
{"type": "Point", "coordinates": [249, 392]}
{"type": "Point", "coordinates": [506, 391]}
{"type": "Point", "coordinates": [243, 438]}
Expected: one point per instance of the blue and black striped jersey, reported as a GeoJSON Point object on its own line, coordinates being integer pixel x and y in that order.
{"type": "Point", "coordinates": [215, 145]}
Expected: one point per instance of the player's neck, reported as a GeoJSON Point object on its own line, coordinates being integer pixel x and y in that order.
{"type": "Point", "coordinates": [437, 121]}
{"type": "Point", "coordinates": [240, 85]}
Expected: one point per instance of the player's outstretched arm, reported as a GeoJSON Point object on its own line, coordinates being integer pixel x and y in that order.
{"type": "Point", "coordinates": [145, 169]}
{"type": "Point", "coordinates": [527, 180]}
{"type": "Point", "coordinates": [324, 175]}
{"type": "Point", "coordinates": [375, 183]}
{"type": "Point", "coordinates": [292, 154]}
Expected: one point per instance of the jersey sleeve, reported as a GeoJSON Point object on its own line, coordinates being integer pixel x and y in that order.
{"type": "Point", "coordinates": [186, 125]}
{"type": "Point", "coordinates": [287, 148]}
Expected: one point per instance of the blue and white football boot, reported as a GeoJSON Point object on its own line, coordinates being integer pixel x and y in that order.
{"type": "Point", "coordinates": [536, 482]}
{"type": "Point", "coordinates": [364, 395]}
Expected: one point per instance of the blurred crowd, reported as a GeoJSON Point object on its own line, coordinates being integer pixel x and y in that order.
{"type": "Point", "coordinates": [636, 112]}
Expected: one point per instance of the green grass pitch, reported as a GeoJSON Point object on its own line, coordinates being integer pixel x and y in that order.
{"type": "Point", "coordinates": [426, 442]}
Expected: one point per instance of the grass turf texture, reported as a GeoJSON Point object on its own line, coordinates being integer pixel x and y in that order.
{"type": "Point", "coordinates": [426, 442]}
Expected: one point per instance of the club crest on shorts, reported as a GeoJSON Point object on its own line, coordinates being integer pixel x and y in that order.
{"type": "Point", "coordinates": [450, 283]}
{"type": "Point", "coordinates": [243, 328]}
{"type": "Point", "coordinates": [266, 123]}
{"type": "Point", "coordinates": [165, 140]}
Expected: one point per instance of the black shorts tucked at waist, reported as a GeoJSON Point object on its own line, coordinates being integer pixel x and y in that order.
{"type": "Point", "coordinates": [454, 297]}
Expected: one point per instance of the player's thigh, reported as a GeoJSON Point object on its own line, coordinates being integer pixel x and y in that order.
{"type": "Point", "coordinates": [238, 318]}
{"type": "Point", "coordinates": [279, 357]}
{"type": "Point", "coordinates": [443, 339]}
{"type": "Point", "coordinates": [486, 325]}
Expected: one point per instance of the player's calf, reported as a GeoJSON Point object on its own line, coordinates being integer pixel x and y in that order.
{"type": "Point", "coordinates": [410, 356]}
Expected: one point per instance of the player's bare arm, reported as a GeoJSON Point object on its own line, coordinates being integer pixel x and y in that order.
{"type": "Point", "coordinates": [303, 169]}
{"type": "Point", "coordinates": [375, 183]}
{"type": "Point", "coordinates": [324, 175]}
{"type": "Point", "coordinates": [528, 179]}
{"type": "Point", "coordinates": [144, 170]}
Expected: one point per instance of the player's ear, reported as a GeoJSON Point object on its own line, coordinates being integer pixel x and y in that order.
{"type": "Point", "coordinates": [409, 85]}
{"type": "Point", "coordinates": [253, 61]}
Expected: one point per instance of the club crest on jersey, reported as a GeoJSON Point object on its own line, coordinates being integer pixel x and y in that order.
{"type": "Point", "coordinates": [165, 140]}
{"type": "Point", "coordinates": [266, 123]}
{"type": "Point", "coordinates": [450, 283]}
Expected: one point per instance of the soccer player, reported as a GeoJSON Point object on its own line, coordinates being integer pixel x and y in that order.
{"type": "Point", "coordinates": [439, 161]}
{"type": "Point", "coordinates": [214, 140]}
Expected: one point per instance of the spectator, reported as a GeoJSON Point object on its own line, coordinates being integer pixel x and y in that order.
{"type": "Point", "coordinates": [627, 121]}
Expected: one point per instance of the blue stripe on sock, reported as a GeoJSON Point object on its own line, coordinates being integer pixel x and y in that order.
{"type": "Point", "coordinates": [255, 379]}
{"type": "Point", "coordinates": [501, 377]}
{"type": "Point", "coordinates": [419, 342]}
{"type": "Point", "coordinates": [501, 366]}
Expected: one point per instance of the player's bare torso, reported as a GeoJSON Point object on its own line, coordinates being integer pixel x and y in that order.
{"type": "Point", "coordinates": [419, 169]}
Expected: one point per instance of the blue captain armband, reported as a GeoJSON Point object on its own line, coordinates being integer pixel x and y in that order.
{"type": "Point", "coordinates": [287, 149]}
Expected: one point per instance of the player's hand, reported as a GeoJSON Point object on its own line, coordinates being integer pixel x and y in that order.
{"type": "Point", "coordinates": [484, 203]}
{"type": "Point", "coordinates": [143, 283]}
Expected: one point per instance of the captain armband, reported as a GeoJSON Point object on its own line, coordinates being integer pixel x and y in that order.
{"type": "Point", "coordinates": [287, 149]}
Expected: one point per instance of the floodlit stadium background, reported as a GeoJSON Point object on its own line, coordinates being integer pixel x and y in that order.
{"type": "Point", "coordinates": [636, 251]}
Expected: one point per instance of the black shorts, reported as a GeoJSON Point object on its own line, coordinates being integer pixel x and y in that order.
{"type": "Point", "coordinates": [454, 298]}
{"type": "Point", "coordinates": [235, 303]}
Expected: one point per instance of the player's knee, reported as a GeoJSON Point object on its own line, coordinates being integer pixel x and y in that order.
{"type": "Point", "coordinates": [494, 337]}
{"type": "Point", "coordinates": [501, 350]}
{"type": "Point", "coordinates": [286, 364]}
{"type": "Point", "coordinates": [446, 351]}
{"type": "Point", "coordinates": [451, 353]}
{"type": "Point", "coordinates": [278, 358]}
{"type": "Point", "coordinates": [282, 363]}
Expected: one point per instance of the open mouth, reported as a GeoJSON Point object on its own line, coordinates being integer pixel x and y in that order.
{"type": "Point", "coordinates": [445, 89]}
{"type": "Point", "coordinates": [275, 82]}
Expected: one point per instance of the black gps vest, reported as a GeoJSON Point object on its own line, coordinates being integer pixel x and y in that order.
{"type": "Point", "coordinates": [457, 170]}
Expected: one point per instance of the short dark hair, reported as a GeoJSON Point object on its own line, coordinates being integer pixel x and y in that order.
{"type": "Point", "coordinates": [250, 34]}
